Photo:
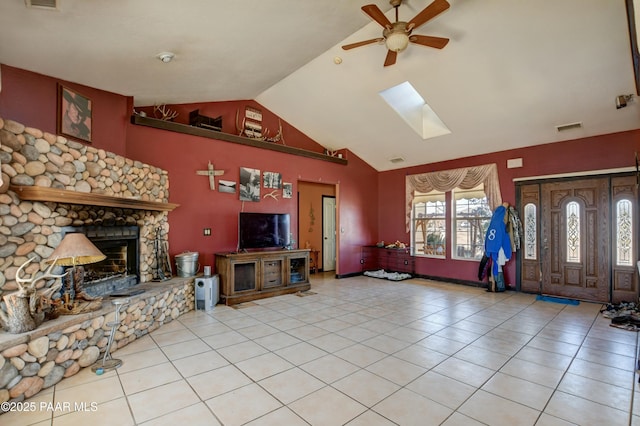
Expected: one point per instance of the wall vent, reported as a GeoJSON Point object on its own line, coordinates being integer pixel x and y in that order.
{"type": "Point", "coordinates": [42, 4]}
{"type": "Point", "coordinates": [396, 160]}
{"type": "Point", "coordinates": [569, 126]}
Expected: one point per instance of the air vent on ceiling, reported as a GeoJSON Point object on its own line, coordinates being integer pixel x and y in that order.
{"type": "Point", "coordinates": [396, 160]}
{"type": "Point", "coordinates": [42, 4]}
{"type": "Point", "coordinates": [569, 126]}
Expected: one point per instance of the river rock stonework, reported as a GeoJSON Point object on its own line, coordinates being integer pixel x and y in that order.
{"type": "Point", "coordinates": [60, 348]}
{"type": "Point", "coordinates": [29, 229]}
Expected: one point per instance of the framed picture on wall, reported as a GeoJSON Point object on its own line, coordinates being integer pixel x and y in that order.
{"type": "Point", "coordinates": [287, 190]}
{"type": "Point", "coordinates": [74, 114]}
{"type": "Point", "coordinates": [272, 180]}
{"type": "Point", "coordinates": [249, 184]}
{"type": "Point", "coordinates": [227, 186]}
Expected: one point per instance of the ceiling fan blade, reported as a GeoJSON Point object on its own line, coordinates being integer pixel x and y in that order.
{"type": "Point", "coordinates": [376, 14]}
{"type": "Point", "coordinates": [436, 42]}
{"type": "Point", "coordinates": [391, 58]}
{"type": "Point", "coordinates": [428, 13]}
{"type": "Point", "coordinates": [362, 43]}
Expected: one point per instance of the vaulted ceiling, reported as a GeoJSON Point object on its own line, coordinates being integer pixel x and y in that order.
{"type": "Point", "coordinates": [511, 73]}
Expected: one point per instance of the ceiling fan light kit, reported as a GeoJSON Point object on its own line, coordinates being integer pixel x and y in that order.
{"type": "Point", "coordinates": [396, 41]}
{"type": "Point", "coordinates": [397, 35]}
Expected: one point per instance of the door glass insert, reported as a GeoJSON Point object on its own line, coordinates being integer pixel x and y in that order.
{"type": "Point", "coordinates": [530, 232]}
{"type": "Point", "coordinates": [573, 232]}
{"type": "Point", "coordinates": [624, 232]}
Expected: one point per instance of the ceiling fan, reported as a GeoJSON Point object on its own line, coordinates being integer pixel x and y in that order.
{"type": "Point", "coordinates": [397, 35]}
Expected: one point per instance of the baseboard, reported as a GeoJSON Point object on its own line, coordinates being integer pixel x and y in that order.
{"type": "Point", "coordinates": [470, 283]}
{"type": "Point", "coordinates": [452, 280]}
{"type": "Point", "coordinates": [353, 274]}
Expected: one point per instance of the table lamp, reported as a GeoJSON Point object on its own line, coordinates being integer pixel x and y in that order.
{"type": "Point", "coordinates": [75, 250]}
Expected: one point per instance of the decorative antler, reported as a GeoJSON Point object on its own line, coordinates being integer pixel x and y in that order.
{"type": "Point", "coordinates": [240, 128]}
{"type": "Point", "coordinates": [165, 113]}
{"type": "Point", "coordinates": [23, 310]}
{"type": "Point", "coordinates": [273, 194]}
{"type": "Point", "coordinates": [28, 286]}
{"type": "Point", "coordinates": [278, 137]}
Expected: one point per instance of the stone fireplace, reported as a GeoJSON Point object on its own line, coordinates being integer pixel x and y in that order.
{"type": "Point", "coordinates": [52, 183]}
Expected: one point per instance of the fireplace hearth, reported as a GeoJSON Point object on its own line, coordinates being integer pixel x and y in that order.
{"type": "Point", "coordinates": [120, 270]}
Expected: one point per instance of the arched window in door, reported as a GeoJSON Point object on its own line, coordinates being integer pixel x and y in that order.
{"type": "Point", "coordinates": [624, 233]}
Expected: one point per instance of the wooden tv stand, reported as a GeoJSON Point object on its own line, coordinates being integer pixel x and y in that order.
{"type": "Point", "coordinates": [256, 275]}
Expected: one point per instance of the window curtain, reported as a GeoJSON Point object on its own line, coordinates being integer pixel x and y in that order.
{"type": "Point", "coordinates": [446, 180]}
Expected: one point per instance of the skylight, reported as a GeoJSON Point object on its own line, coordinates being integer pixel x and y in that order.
{"type": "Point", "coordinates": [413, 109]}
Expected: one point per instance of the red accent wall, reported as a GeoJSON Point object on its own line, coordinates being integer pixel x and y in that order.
{"type": "Point", "coordinates": [182, 155]}
{"type": "Point", "coordinates": [611, 151]}
{"type": "Point", "coordinates": [32, 99]}
{"type": "Point", "coordinates": [370, 204]}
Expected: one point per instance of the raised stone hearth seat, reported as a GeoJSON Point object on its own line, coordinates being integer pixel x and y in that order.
{"type": "Point", "coordinates": [37, 360]}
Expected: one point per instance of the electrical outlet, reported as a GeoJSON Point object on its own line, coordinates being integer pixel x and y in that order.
{"type": "Point", "coordinates": [362, 261]}
{"type": "Point", "coordinates": [207, 232]}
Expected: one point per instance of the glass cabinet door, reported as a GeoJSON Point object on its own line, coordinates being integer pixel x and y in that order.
{"type": "Point", "coordinates": [298, 269]}
{"type": "Point", "coordinates": [245, 276]}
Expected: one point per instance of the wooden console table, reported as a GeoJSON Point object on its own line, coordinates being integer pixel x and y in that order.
{"type": "Point", "coordinates": [389, 259]}
{"type": "Point", "coordinates": [256, 275]}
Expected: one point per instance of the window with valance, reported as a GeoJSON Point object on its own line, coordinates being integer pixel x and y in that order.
{"type": "Point", "coordinates": [448, 180]}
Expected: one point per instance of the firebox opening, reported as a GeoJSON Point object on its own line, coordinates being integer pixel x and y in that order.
{"type": "Point", "coordinates": [120, 270]}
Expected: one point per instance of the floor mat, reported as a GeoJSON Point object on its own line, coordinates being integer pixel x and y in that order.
{"type": "Point", "coordinates": [561, 300]}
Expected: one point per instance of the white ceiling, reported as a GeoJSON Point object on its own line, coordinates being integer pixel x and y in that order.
{"type": "Point", "coordinates": [513, 70]}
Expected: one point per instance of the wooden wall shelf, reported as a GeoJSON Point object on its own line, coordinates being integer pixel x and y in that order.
{"type": "Point", "coordinates": [213, 134]}
{"type": "Point", "coordinates": [41, 193]}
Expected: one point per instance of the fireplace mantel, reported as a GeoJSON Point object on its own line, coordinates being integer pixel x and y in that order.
{"type": "Point", "coordinates": [41, 193]}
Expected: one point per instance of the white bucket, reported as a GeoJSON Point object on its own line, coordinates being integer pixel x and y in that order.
{"type": "Point", "coordinates": [187, 264]}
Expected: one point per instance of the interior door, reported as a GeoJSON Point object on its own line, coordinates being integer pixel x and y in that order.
{"type": "Point", "coordinates": [328, 233]}
{"type": "Point", "coordinates": [576, 239]}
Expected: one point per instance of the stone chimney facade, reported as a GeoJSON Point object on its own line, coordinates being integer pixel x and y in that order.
{"type": "Point", "coordinates": [32, 229]}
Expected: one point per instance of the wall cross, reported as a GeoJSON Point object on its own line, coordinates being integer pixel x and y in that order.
{"type": "Point", "coordinates": [212, 175]}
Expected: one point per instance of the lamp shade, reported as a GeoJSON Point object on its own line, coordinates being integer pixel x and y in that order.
{"type": "Point", "coordinates": [75, 249]}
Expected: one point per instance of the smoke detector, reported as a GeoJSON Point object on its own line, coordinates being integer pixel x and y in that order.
{"type": "Point", "coordinates": [166, 57]}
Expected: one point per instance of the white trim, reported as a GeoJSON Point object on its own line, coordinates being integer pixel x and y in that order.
{"type": "Point", "coordinates": [575, 174]}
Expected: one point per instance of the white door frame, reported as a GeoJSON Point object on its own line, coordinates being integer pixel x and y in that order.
{"type": "Point", "coordinates": [329, 233]}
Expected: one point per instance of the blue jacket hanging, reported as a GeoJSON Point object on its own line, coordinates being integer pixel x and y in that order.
{"type": "Point", "coordinates": [497, 238]}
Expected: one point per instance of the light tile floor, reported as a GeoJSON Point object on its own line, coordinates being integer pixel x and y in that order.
{"type": "Point", "coordinates": [362, 351]}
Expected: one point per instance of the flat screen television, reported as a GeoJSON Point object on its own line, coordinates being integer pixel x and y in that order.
{"type": "Point", "coordinates": [263, 230]}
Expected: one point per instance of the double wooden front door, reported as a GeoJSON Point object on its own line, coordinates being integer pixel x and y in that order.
{"type": "Point", "coordinates": [580, 238]}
